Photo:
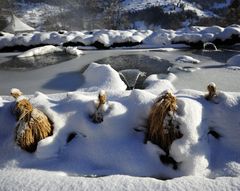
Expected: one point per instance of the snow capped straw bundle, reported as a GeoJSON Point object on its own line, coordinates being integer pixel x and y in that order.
{"type": "Point", "coordinates": [162, 128]}
{"type": "Point", "coordinates": [102, 97]}
{"type": "Point", "coordinates": [33, 125]}
{"type": "Point", "coordinates": [212, 93]}
{"type": "Point", "coordinates": [15, 93]}
{"type": "Point", "coordinates": [101, 107]}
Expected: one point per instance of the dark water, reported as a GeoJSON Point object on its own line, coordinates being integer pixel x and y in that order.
{"type": "Point", "coordinates": [221, 55]}
{"type": "Point", "coordinates": [34, 62]}
{"type": "Point", "coordinates": [147, 64]}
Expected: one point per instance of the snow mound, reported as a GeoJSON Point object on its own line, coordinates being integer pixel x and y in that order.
{"type": "Point", "coordinates": [234, 61]}
{"type": "Point", "coordinates": [102, 76]}
{"type": "Point", "coordinates": [155, 83]}
{"type": "Point", "coordinates": [160, 38]}
{"type": "Point", "coordinates": [73, 51]}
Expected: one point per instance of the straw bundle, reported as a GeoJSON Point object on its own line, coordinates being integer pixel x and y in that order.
{"type": "Point", "coordinates": [33, 125]}
{"type": "Point", "coordinates": [212, 92]}
{"type": "Point", "coordinates": [162, 129]}
{"type": "Point", "coordinates": [97, 117]}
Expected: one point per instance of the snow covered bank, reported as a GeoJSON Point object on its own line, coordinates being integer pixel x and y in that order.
{"type": "Point", "coordinates": [209, 147]}
{"type": "Point", "coordinates": [102, 39]}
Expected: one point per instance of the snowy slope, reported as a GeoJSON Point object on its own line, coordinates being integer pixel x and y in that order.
{"type": "Point", "coordinates": [168, 6]}
{"type": "Point", "coordinates": [35, 14]}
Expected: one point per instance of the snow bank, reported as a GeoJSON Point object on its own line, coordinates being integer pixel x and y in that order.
{"type": "Point", "coordinates": [116, 38]}
{"type": "Point", "coordinates": [59, 181]}
{"type": "Point", "coordinates": [209, 147]}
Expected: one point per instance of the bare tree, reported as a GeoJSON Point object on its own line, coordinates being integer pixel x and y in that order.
{"type": "Point", "coordinates": [113, 14]}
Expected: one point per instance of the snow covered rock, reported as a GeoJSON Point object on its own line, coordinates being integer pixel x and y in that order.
{"type": "Point", "coordinates": [40, 51]}
{"type": "Point", "coordinates": [101, 76]}
{"type": "Point", "coordinates": [160, 38]}
{"type": "Point", "coordinates": [187, 59]}
{"type": "Point", "coordinates": [73, 51]}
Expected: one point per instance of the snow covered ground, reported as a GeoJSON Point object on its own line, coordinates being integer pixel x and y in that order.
{"type": "Point", "coordinates": [112, 155]}
{"type": "Point", "coordinates": [114, 148]}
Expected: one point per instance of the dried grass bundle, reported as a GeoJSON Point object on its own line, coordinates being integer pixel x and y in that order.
{"type": "Point", "coordinates": [33, 125]}
{"type": "Point", "coordinates": [212, 92]}
{"type": "Point", "coordinates": [162, 129]}
{"type": "Point", "coordinates": [102, 97]}
{"type": "Point", "coordinates": [97, 117]}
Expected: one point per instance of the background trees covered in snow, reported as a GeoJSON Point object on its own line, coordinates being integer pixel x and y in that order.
{"type": "Point", "coordinates": [120, 14]}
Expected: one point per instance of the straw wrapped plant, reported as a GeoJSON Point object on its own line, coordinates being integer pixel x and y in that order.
{"type": "Point", "coordinates": [97, 116]}
{"type": "Point", "coordinates": [212, 92]}
{"type": "Point", "coordinates": [32, 126]}
{"type": "Point", "coordinates": [162, 128]}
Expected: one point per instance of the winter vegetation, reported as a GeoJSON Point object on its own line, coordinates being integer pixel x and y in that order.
{"type": "Point", "coordinates": [121, 14]}
{"type": "Point", "coordinates": [119, 95]}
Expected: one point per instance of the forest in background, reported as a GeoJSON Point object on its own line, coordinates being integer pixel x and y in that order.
{"type": "Point", "coordinates": [110, 14]}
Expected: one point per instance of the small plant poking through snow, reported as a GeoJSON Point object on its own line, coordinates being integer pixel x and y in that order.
{"type": "Point", "coordinates": [162, 127]}
{"type": "Point", "coordinates": [32, 126]}
{"type": "Point", "coordinates": [101, 107]}
{"type": "Point", "coordinates": [212, 93]}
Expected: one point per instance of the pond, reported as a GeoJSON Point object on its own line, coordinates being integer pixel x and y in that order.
{"type": "Point", "coordinates": [130, 65]}
{"type": "Point", "coordinates": [63, 73]}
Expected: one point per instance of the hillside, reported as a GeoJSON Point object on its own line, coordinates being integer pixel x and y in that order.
{"type": "Point", "coordinates": [117, 14]}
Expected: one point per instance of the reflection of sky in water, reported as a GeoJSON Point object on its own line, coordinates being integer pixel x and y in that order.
{"type": "Point", "coordinates": [34, 62]}
{"type": "Point", "coordinates": [147, 64]}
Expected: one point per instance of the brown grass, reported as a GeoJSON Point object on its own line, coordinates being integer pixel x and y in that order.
{"type": "Point", "coordinates": [158, 131]}
{"type": "Point", "coordinates": [102, 97]}
{"type": "Point", "coordinates": [33, 126]}
{"type": "Point", "coordinates": [212, 92]}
